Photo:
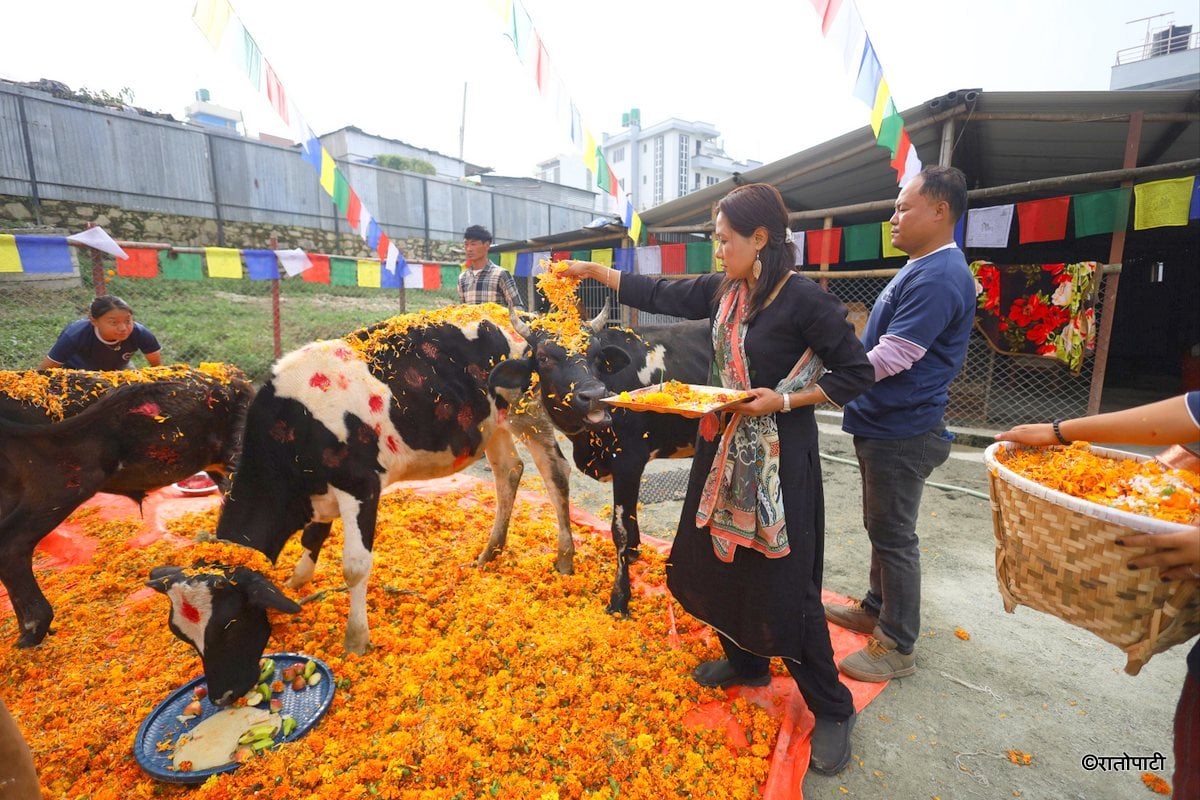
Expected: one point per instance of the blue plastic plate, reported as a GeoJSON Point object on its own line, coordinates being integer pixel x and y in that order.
{"type": "Point", "coordinates": [306, 706]}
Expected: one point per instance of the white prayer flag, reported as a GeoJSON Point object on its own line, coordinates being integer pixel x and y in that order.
{"type": "Point", "coordinates": [98, 239]}
{"type": "Point", "coordinates": [649, 260]}
{"type": "Point", "coordinates": [293, 261]}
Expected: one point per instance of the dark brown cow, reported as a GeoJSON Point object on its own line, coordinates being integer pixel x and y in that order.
{"type": "Point", "coordinates": [67, 434]}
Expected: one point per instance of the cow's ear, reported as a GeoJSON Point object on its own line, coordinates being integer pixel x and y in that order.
{"type": "Point", "coordinates": [163, 578]}
{"type": "Point", "coordinates": [613, 359]}
{"type": "Point", "coordinates": [261, 593]}
{"type": "Point", "coordinates": [512, 373]}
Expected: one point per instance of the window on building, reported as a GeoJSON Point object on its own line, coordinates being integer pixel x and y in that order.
{"type": "Point", "coordinates": [712, 180]}
{"type": "Point", "coordinates": [698, 143]}
{"type": "Point", "coordinates": [659, 146]}
{"type": "Point", "coordinates": [685, 162]}
{"type": "Point", "coordinates": [555, 175]}
{"type": "Point", "coordinates": [697, 184]}
{"type": "Point", "coordinates": [643, 148]}
{"type": "Point", "coordinates": [621, 183]}
{"type": "Point", "coordinates": [618, 155]}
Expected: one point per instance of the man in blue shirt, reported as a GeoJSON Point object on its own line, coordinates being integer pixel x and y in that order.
{"type": "Point", "coordinates": [916, 338]}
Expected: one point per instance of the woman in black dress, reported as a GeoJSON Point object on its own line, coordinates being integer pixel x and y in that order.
{"type": "Point", "coordinates": [748, 555]}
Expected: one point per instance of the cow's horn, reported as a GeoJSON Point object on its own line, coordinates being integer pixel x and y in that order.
{"type": "Point", "coordinates": [598, 322]}
{"type": "Point", "coordinates": [519, 325]}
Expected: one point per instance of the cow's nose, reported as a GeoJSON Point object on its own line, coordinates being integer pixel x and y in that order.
{"type": "Point", "coordinates": [590, 395]}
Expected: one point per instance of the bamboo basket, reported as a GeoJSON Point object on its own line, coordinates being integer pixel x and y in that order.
{"type": "Point", "coordinates": [1058, 554]}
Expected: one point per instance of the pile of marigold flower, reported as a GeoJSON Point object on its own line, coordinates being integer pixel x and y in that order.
{"type": "Point", "coordinates": [508, 682]}
{"type": "Point", "coordinates": [562, 321]}
{"type": "Point", "coordinates": [682, 395]}
{"type": "Point", "coordinates": [60, 390]}
{"type": "Point", "coordinates": [1145, 487]}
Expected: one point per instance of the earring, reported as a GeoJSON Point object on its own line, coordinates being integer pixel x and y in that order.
{"type": "Point", "coordinates": [757, 267]}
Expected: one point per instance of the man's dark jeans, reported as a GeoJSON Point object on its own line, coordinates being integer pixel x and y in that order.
{"type": "Point", "coordinates": [893, 476]}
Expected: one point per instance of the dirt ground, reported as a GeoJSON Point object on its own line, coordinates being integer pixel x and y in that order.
{"type": "Point", "coordinates": [1024, 681]}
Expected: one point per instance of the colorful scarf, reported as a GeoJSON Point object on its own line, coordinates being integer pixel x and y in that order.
{"type": "Point", "coordinates": [742, 500]}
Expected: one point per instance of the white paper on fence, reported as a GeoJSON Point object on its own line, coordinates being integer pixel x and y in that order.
{"type": "Point", "coordinates": [293, 261]}
{"type": "Point", "coordinates": [989, 227]}
{"type": "Point", "coordinates": [98, 239]}
{"type": "Point", "coordinates": [538, 258]}
{"type": "Point", "coordinates": [798, 246]}
{"type": "Point", "coordinates": [649, 260]}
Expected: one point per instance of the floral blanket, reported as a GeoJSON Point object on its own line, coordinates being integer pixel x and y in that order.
{"type": "Point", "coordinates": [1038, 309]}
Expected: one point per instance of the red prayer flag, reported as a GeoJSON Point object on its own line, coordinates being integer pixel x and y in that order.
{"type": "Point", "coordinates": [142, 263]}
{"type": "Point", "coordinates": [827, 10]}
{"type": "Point", "coordinates": [382, 248]}
{"type": "Point", "coordinates": [432, 276]}
{"type": "Point", "coordinates": [674, 259]}
{"type": "Point", "coordinates": [276, 94]}
{"type": "Point", "coordinates": [319, 271]}
{"type": "Point", "coordinates": [824, 245]}
{"type": "Point", "coordinates": [1043, 220]}
{"type": "Point", "coordinates": [561, 255]}
{"type": "Point", "coordinates": [354, 210]}
{"type": "Point", "coordinates": [613, 186]}
{"type": "Point", "coordinates": [902, 147]}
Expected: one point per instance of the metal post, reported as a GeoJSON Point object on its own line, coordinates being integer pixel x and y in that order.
{"type": "Point", "coordinates": [825, 254]}
{"type": "Point", "coordinates": [1116, 254]}
{"type": "Point", "coordinates": [212, 171]}
{"type": "Point", "coordinates": [33, 187]}
{"type": "Point", "coordinates": [425, 215]}
{"type": "Point", "coordinates": [275, 315]}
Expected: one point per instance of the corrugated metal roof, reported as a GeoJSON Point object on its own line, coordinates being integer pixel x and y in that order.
{"type": "Point", "coordinates": [998, 139]}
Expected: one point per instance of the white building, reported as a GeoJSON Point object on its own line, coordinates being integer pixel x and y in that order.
{"type": "Point", "coordinates": [654, 165]}
{"type": "Point", "coordinates": [356, 145]}
{"type": "Point", "coordinates": [1168, 59]}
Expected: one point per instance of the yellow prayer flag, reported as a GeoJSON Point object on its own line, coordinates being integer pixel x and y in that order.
{"type": "Point", "coordinates": [635, 228]}
{"type": "Point", "coordinates": [223, 262]}
{"type": "Point", "coordinates": [589, 153]}
{"type": "Point", "coordinates": [502, 9]}
{"type": "Point", "coordinates": [881, 100]}
{"type": "Point", "coordinates": [604, 257]}
{"type": "Point", "coordinates": [508, 261]}
{"type": "Point", "coordinates": [212, 17]}
{"type": "Point", "coordinates": [10, 258]}
{"type": "Point", "coordinates": [1162, 203]}
{"type": "Point", "coordinates": [885, 229]}
{"type": "Point", "coordinates": [369, 273]}
{"type": "Point", "coordinates": [328, 169]}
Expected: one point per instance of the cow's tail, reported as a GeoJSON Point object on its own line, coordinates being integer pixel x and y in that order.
{"type": "Point", "coordinates": [118, 400]}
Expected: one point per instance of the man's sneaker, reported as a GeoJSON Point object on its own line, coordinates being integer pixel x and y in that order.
{"type": "Point", "coordinates": [721, 674]}
{"type": "Point", "coordinates": [831, 745]}
{"type": "Point", "coordinates": [879, 660]}
{"type": "Point", "coordinates": [852, 616]}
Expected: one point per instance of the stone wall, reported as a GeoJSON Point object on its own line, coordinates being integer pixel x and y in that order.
{"type": "Point", "coordinates": [16, 215]}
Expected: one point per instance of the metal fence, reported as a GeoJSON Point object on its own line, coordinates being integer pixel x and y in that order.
{"type": "Point", "coordinates": [993, 391]}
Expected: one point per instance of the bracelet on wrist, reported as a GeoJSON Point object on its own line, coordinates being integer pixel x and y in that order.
{"type": "Point", "coordinates": [1058, 432]}
{"type": "Point", "coordinates": [787, 403]}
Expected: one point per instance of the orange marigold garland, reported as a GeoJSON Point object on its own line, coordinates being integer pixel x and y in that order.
{"type": "Point", "coordinates": [228, 554]}
{"type": "Point", "coordinates": [1145, 487]}
{"type": "Point", "coordinates": [562, 321]}
{"type": "Point", "coordinates": [1155, 784]}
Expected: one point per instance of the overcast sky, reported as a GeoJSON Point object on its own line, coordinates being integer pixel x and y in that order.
{"type": "Point", "coordinates": [756, 69]}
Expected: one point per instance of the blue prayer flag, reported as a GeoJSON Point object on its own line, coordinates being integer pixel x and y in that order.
{"type": "Point", "coordinates": [261, 265]}
{"type": "Point", "coordinates": [44, 253]}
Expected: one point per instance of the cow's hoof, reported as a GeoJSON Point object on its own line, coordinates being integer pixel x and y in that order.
{"type": "Point", "coordinates": [620, 609]}
{"type": "Point", "coordinates": [565, 566]}
{"type": "Point", "coordinates": [33, 638]}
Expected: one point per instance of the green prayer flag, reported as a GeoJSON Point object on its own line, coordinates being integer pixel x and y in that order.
{"type": "Point", "coordinates": [343, 271]}
{"type": "Point", "coordinates": [341, 192]}
{"type": "Point", "coordinates": [581, 255]}
{"type": "Point", "coordinates": [181, 266]}
{"type": "Point", "coordinates": [602, 181]}
{"type": "Point", "coordinates": [450, 275]}
{"type": "Point", "coordinates": [862, 241]}
{"type": "Point", "coordinates": [1101, 212]}
{"type": "Point", "coordinates": [889, 130]}
{"type": "Point", "coordinates": [699, 258]}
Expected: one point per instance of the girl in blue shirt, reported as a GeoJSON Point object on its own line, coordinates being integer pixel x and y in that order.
{"type": "Point", "coordinates": [105, 340]}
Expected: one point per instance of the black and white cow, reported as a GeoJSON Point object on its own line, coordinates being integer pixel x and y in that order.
{"type": "Point", "coordinates": [337, 422]}
{"type": "Point", "coordinates": [121, 438]}
{"type": "Point", "coordinates": [614, 444]}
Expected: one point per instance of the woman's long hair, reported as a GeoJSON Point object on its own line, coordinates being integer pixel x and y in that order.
{"type": "Point", "coordinates": [747, 208]}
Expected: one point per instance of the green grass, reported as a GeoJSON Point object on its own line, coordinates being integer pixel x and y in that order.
{"type": "Point", "coordinates": [210, 320]}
